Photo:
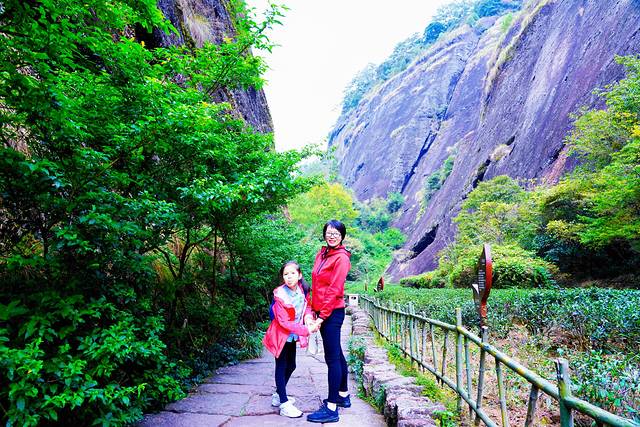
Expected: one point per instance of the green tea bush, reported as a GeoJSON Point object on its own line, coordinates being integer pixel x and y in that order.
{"type": "Point", "coordinates": [589, 318]}
{"type": "Point", "coordinates": [611, 381]}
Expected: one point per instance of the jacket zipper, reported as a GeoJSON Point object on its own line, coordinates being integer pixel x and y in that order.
{"type": "Point", "coordinates": [325, 257]}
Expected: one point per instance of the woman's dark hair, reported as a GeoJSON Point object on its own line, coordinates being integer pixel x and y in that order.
{"type": "Point", "coordinates": [305, 285]}
{"type": "Point", "coordinates": [337, 225]}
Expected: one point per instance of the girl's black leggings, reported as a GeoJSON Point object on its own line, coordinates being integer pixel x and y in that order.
{"type": "Point", "coordinates": [337, 364]}
{"type": "Point", "coordinates": [285, 365]}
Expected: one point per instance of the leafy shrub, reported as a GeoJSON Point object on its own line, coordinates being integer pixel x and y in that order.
{"type": "Point", "coordinates": [435, 181]}
{"type": "Point", "coordinates": [392, 238]}
{"type": "Point", "coordinates": [427, 280]}
{"type": "Point", "coordinates": [513, 267]}
{"type": "Point", "coordinates": [374, 215]}
{"type": "Point", "coordinates": [355, 359]}
{"type": "Point", "coordinates": [85, 358]}
{"type": "Point", "coordinates": [611, 381]}
{"type": "Point", "coordinates": [395, 200]}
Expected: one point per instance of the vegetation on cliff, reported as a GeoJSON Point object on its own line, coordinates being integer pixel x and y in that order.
{"type": "Point", "coordinates": [447, 18]}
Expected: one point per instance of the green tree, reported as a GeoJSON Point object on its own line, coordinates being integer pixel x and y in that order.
{"type": "Point", "coordinates": [117, 175]}
{"type": "Point", "coordinates": [320, 204]}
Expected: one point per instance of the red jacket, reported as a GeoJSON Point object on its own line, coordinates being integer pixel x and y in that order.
{"type": "Point", "coordinates": [327, 279]}
{"type": "Point", "coordinates": [283, 323]}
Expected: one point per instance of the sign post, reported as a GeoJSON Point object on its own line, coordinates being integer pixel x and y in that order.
{"type": "Point", "coordinates": [483, 287]}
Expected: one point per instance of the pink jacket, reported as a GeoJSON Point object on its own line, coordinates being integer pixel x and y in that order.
{"type": "Point", "coordinates": [284, 323]}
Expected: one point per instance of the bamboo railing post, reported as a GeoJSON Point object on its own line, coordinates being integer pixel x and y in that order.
{"type": "Point", "coordinates": [468, 370]}
{"type": "Point", "coordinates": [502, 395]}
{"type": "Point", "coordinates": [564, 391]}
{"type": "Point", "coordinates": [531, 407]}
{"type": "Point", "coordinates": [484, 333]}
{"type": "Point", "coordinates": [398, 326]}
{"type": "Point", "coordinates": [459, 358]}
{"type": "Point", "coordinates": [444, 353]}
{"type": "Point", "coordinates": [433, 350]}
{"type": "Point", "coordinates": [423, 342]}
{"type": "Point", "coordinates": [412, 336]}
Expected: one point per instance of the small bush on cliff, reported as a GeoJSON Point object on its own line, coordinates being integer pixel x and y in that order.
{"type": "Point", "coordinates": [434, 182]}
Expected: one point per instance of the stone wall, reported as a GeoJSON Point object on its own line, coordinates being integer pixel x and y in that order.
{"type": "Point", "coordinates": [404, 405]}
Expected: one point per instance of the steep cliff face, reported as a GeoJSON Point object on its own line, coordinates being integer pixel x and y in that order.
{"type": "Point", "coordinates": [497, 102]}
{"type": "Point", "coordinates": [198, 21]}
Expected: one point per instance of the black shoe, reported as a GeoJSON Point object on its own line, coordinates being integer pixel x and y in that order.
{"type": "Point", "coordinates": [324, 415]}
{"type": "Point", "coordinates": [343, 402]}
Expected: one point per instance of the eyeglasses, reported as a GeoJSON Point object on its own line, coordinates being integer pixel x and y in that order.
{"type": "Point", "coordinates": [335, 235]}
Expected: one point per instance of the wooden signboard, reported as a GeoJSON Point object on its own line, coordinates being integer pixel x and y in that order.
{"type": "Point", "coordinates": [483, 287]}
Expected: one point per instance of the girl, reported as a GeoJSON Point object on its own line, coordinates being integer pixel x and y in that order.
{"type": "Point", "coordinates": [329, 274]}
{"type": "Point", "coordinates": [291, 307]}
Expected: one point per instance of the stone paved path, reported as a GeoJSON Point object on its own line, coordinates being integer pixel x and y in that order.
{"type": "Point", "coordinates": [240, 395]}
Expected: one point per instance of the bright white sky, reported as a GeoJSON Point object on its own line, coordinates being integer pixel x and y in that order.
{"type": "Point", "coordinates": [322, 45]}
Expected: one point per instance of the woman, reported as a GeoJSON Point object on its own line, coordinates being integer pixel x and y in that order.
{"type": "Point", "coordinates": [327, 287]}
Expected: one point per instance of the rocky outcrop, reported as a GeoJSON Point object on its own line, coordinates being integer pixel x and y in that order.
{"type": "Point", "coordinates": [400, 397]}
{"type": "Point", "coordinates": [196, 22]}
{"type": "Point", "coordinates": [499, 102]}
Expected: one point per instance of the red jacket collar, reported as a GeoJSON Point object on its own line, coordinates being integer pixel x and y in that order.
{"type": "Point", "coordinates": [326, 251]}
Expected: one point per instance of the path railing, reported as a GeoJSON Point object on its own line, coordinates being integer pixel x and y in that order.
{"type": "Point", "coordinates": [416, 336]}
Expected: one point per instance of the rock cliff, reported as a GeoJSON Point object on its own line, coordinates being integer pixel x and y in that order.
{"type": "Point", "coordinates": [496, 100]}
{"type": "Point", "coordinates": [198, 21]}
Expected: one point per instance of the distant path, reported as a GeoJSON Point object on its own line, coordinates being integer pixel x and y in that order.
{"type": "Point", "coordinates": [240, 395]}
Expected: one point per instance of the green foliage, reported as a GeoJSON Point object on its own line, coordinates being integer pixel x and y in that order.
{"type": "Point", "coordinates": [506, 23]}
{"type": "Point", "coordinates": [503, 214]}
{"type": "Point", "coordinates": [363, 81]}
{"type": "Point", "coordinates": [356, 348]}
{"type": "Point", "coordinates": [391, 237]}
{"type": "Point", "coordinates": [604, 319]}
{"type": "Point", "coordinates": [434, 182]}
{"type": "Point", "coordinates": [82, 357]}
{"type": "Point", "coordinates": [263, 246]}
{"type": "Point", "coordinates": [322, 203]}
{"type": "Point", "coordinates": [123, 192]}
{"type": "Point", "coordinates": [395, 200]}
{"type": "Point", "coordinates": [484, 8]}
{"type": "Point", "coordinates": [427, 280]}
{"type": "Point", "coordinates": [374, 215]}
{"type": "Point", "coordinates": [599, 201]}
{"type": "Point", "coordinates": [445, 418]}
{"type": "Point", "coordinates": [610, 381]}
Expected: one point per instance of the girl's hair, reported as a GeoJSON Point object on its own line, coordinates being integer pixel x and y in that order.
{"type": "Point", "coordinates": [337, 225]}
{"type": "Point", "coordinates": [303, 283]}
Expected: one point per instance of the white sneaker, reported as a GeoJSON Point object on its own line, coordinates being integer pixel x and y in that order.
{"type": "Point", "coordinates": [275, 399]}
{"type": "Point", "coordinates": [288, 410]}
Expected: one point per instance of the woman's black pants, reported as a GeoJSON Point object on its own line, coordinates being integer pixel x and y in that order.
{"type": "Point", "coordinates": [337, 364]}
